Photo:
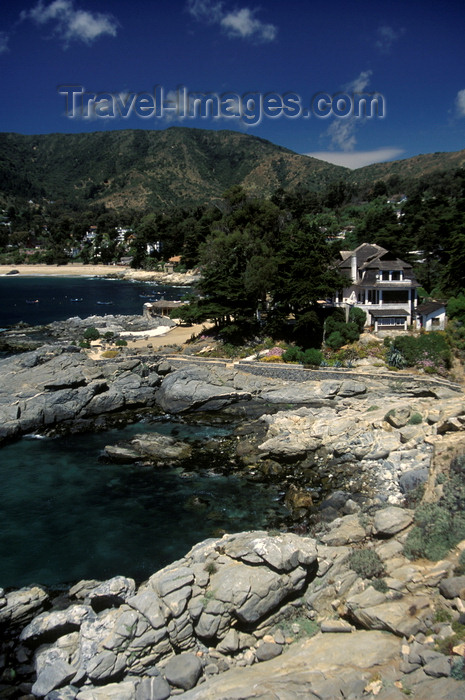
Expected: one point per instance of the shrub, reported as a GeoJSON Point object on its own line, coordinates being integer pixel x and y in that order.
{"type": "Point", "coordinates": [271, 358]}
{"type": "Point", "coordinates": [121, 343]}
{"type": "Point", "coordinates": [415, 419]}
{"type": "Point", "coordinates": [426, 350]}
{"type": "Point", "coordinates": [457, 670]}
{"type": "Point", "coordinates": [84, 344]}
{"type": "Point", "coordinates": [335, 340]}
{"type": "Point", "coordinates": [380, 585]}
{"type": "Point", "coordinates": [292, 354]}
{"type": "Point", "coordinates": [359, 317]}
{"type": "Point", "coordinates": [110, 354]}
{"type": "Point", "coordinates": [366, 563]}
{"type": "Point", "coordinates": [395, 358]}
{"type": "Point", "coordinates": [311, 356]}
{"type": "Point", "coordinates": [439, 526]}
{"type": "Point", "coordinates": [91, 333]}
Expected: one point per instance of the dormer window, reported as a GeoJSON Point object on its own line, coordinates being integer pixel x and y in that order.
{"type": "Point", "coordinates": [385, 275]}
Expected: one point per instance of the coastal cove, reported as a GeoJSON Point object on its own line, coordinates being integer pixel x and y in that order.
{"type": "Point", "coordinates": [67, 514]}
{"type": "Point", "coordinates": [38, 300]}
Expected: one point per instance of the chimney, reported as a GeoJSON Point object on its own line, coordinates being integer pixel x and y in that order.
{"type": "Point", "coordinates": [353, 268]}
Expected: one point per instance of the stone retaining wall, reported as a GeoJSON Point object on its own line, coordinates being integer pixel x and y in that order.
{"type": "Point", "coordinates": [298, 373]}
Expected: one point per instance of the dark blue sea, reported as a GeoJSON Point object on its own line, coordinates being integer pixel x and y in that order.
{"type": "Point", "coordinates": [41, 300]}
{"type": "Point", "coordinates": [64, 514]}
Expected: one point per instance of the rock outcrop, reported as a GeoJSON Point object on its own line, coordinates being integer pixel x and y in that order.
{"type": "Point", "coordinates": [58, 384]}
{"type": "Point", "coordinates": [250, 615]}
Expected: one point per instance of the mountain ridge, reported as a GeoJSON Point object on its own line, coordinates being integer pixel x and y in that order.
{"type": "Point", "coordinates": [177, 166]}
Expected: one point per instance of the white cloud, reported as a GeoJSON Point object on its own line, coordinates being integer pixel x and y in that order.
{"type": "Point", "coordinates": [71, 23]}
{"type": "Point", "coordinates": [460, 103]}
{"type": "Point", "coordinates": [243, 24]}
{"type": "Point", "coordinates": [386, 37]}
{"type": "Point", "coordinates": [360, 83]}
{"type": "Point", "coordinates": [357, 159]}
{"type": "Point", "coordinates": [4, 38]}
{"type": "Point", "coordinates": [342, 131]}
{"type": "Point", "coordinates": [240, 23]}
{"type": "Point", "coordinates": [206, 10]}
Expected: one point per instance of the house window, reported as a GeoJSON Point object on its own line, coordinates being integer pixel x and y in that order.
{"type": "Point", "coordinates": [436, 322]}
{"type": "Point", "coordinates": [396, 276]}
{"type": "Point", "coordinates": [385, 275]}
{"type": "Point", "coordinates": [373, 296]}
{"type": "Point", "coordinates": [395, 296]}
{"type": "Point", "coordinates": [361, 297]}
{"type": "Point", "coordinates": [391, 321]}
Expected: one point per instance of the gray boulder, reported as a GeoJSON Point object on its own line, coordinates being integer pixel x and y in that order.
{"type": "Point", "coordinates": [113, 592]}
{"type": "Point", "coordinates": [198, 387]}
{"type": "Point", "coordinates": [389, 521]}
{"type": "Point", "coordinates": [267, 651]}
{"type": "Point", "coordinates": [53, 676]}
{"type": "Point", "coordinates": [22, 605]}
{"type": "Point", "coordinates": [157, 446]}
{"type": "Point", "coordinates": [183, 671]}
{"type": "Point", "coordinates": [155, 688]}
{"type": "Point", "coordinates": [452, 587]}
{"type": "Point", "coordinates": [52, 625]}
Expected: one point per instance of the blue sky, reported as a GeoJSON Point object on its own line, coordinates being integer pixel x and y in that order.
{"type": "Point", "coordinates": [298, 68]}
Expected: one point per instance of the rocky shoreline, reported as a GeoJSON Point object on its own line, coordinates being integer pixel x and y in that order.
{"type": "Point", "coordinates": [249, 615]}
{"type": "Point", "coordinates": [233, 618]}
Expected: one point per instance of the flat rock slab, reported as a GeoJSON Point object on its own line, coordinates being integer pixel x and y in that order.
{"type": "Point", "coordinates": [293, 674]}
{"type": "Point", "coordinates": [390, 521]}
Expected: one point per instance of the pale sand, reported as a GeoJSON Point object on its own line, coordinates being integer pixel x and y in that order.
{"type": "Point", "coordinates": [79, 270]}
{"type": "Point", "coordinates": [71, 270]}
{"type": "Point", "coordinates": [175, 336]}
{"type": "Point", "coordinates": [178, 335]}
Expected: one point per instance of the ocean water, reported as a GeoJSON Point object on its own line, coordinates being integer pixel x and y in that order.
{"type": "Point", "coordinates": [66, 515]}
{"type": "Point", "coordinates": [41, 300]}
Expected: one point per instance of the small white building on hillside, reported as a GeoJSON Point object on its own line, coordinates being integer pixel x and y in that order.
{"type": "Point", "coordinates": [431, 316]}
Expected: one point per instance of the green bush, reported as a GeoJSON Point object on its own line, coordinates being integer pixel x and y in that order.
{"type": "Point", "coordinates": [366, 563]}
{"type": "Point", "coordinates": [415, 419]}
{"type": "Point", "coordinates": [121, 342]}
{"type": "Point", "coordinates": [311, 356]}
{"type": "Point", "coordinates": [426, 349]}
{"type": "Point", "coordinates": [456, 307]}
{"type": "Point", "coordinates": [457, 670]}
{"type": "Point", "coordinates": [359, 317]}
{"type": "Point", "coordinates": [292, 354]}
{"type": "Point", "coordinates": [438, 526]}
{"type": "Point", "coordinates": [335, 340]}
{"type": "Point", "coordinates": [379, 584]}
{"type": "Point", "coordinates": [91, 333]}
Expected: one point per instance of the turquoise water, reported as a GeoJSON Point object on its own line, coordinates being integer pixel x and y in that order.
{"type": "Point", "coordinates": [65, 515]}
{"type": "Point", "coordinates": [41, 300]}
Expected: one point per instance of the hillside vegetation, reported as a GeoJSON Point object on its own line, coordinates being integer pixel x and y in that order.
{"type": "Point", "coordinates": [175, 167]}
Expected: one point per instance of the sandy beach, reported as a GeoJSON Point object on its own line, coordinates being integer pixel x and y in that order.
{"type": "Point", "coordinates": [119, 271]}
{"type": "Point", "coordinates": [158, 337]}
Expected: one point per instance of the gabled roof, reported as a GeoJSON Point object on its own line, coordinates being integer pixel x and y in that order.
{"type": "Point", "coordinates": [372, 257]}
{"type": "Point", "coordinates": [364, 253]}
{"type": "Point", "coordinates": [430, 307]}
